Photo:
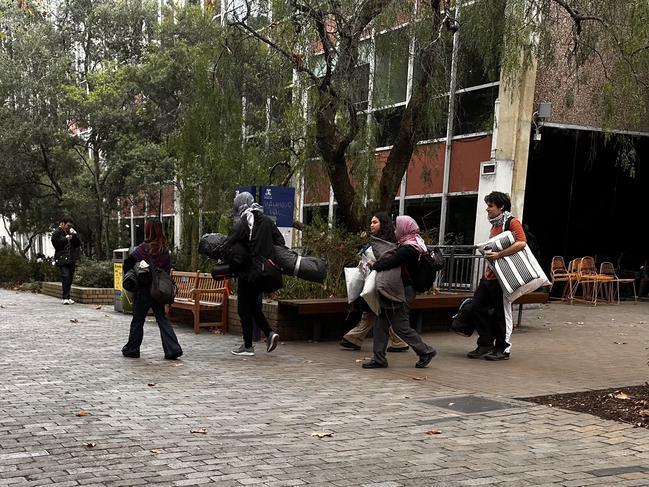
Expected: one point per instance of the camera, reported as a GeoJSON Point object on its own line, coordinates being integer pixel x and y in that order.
{"type": "Point", "coordinates": [72, 231]}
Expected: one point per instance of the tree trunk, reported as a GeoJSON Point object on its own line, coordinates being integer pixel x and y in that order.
{"type": "Point", "coordinates": [332, 147]}
{"type": "Point", "coordinates": [406, 141]}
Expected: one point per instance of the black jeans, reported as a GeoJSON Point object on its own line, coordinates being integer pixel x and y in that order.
{"type": "Point", "coordinates": [490, 327]}
{"type": "Point", "coordinates": [144, 302]}
{"type": "Point", "coordinates": [250, 311]}
{"type": "Point", "coordinates": [67, 274]}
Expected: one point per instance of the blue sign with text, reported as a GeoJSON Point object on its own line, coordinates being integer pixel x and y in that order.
{"type": "Point", "coordinates": [278, 203]}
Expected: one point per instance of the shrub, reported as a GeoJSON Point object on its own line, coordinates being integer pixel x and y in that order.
{"type": "Point", "coordinates": [13, 267]}
{"type": "Point", "coordinates": [94, 273]}
{"type": "Point", "coordinates": [339, 248]}
{"type": "Point", "coordinates": [43, 271]}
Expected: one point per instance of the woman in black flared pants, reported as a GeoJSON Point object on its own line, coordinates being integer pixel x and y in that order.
{"type": "Point", "coordinates": [153, 251]}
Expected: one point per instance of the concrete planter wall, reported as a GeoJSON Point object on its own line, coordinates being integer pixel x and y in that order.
{"type": "Point", "coordinates": [290, 326]}
{"type": "Point", "coordinates": [84, 295]}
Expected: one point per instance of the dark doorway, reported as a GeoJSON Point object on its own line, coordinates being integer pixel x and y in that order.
{"type": "Point", "coordinates": [580, 201]}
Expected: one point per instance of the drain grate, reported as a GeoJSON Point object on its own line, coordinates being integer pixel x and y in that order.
{"type": "Point", "coordinates": [608, 472]}
{"type": "Point", "coordinates": [469, 404]}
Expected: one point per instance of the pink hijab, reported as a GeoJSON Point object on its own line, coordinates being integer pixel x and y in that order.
{"type": "Point", "coordinates": [407, 233]}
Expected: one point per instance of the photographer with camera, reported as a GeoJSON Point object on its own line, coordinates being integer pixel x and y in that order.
{"type": "Point", "coordinates": [66, 251]}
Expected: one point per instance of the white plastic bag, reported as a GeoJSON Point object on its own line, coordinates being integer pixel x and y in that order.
{"type": "Point", "coordinates": [355, 281]}
{"type": "Point", "coordinates": [370, 293]}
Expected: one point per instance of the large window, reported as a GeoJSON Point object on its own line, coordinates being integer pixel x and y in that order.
{"type": "Point", "coordinates": [474, 110]}
{"type": "Point", "coordinates": [391, 72]}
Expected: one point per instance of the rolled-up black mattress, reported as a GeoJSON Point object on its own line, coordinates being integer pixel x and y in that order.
{"type": "Point", "coordinates": [209, 245]}
{"type": "Point", "coordinates": [312, 269]}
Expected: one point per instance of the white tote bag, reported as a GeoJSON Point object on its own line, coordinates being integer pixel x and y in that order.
{"type": "Point", "coordinates": [355, 282]}
{"type": "Point", "coordinates": [370, 293]}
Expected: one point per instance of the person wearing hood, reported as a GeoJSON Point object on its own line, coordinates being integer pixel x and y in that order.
{"type": "Point", "coordinates": [396, 311]}
{"type": "Point", "coordinates": [258, 233]}
{"type": "Point", "coordinates": [494, 330]}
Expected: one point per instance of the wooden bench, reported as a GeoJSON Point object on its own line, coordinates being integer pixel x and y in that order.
{"type": "Point", "coordinates": [198, 291]}
{"type": "Point", "coordinates": [423, 302]}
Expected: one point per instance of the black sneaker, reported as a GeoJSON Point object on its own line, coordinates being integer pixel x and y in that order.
{"type": "Point", "coordinates": [398, 349]}
{"type": "Point", "coordinates": [373, 364]}
{"type": "Point", "coordinates": [272, 341]}
{"type": "Point", "coordinates": [425, 359]}
{"type": "Point", "coordinates": [242, 350]}
{"type": "Point", "coordinates": [497, 355]}
{"type": "Point", "coordinates": [349, 345]}
{"type": "Point", "coordinates": [479, 352]}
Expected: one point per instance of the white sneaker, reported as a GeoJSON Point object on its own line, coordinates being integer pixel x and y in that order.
{"type": "Point", "coordinates": [65, 301]}
{"type": "Point", "coordinates": [70, 301]}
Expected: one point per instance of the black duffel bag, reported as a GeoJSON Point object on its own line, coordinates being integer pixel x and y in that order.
{"type": "Point", "coordinates": [463, 321]}
{"type": "Point", "coordinates": [219, 271]}
{"type": "Point", "coordinates": [129, 282]}
{"type": "Point", "coordinates": [264, 274]}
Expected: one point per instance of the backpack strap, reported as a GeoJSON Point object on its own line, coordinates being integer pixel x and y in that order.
{"type": "Point", "coordinates": [507, 223]}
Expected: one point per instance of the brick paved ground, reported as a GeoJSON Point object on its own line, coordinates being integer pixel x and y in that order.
{"type": "Point", "coordinates": [259, 414]}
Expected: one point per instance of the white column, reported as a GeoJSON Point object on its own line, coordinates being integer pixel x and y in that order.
{"type": "Point", "coordinates": [178, 217]}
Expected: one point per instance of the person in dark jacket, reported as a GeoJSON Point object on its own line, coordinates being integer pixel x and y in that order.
{"type": "Point", "coordinates": [410, 247]}
{"type": "Point", "coordinates": [66, 252]}
{"type": "Point", "coordinates": [258, 234]}
{"type": "Point", "coordinates": [155, 252]}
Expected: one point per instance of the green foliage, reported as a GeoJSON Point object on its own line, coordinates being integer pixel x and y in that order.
{"type": "Point", "coordinates": [13, 267]}
{"type": "Point", "coordinates": [339, 248]}
{"type": "Point", "coordinates": [93, 273]}
{"type": "Point", "coordinates": [43, 271]}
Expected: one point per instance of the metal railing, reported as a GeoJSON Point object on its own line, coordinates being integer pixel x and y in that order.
{"type": "Point", "coordinates": [463, 268]}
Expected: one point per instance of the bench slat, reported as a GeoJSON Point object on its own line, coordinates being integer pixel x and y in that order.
{"type": "Point", "coordinates": [422, 302]}
{"type": "Point", "coordinates": [198, 291]}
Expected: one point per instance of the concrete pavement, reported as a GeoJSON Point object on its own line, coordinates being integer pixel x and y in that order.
{"type": "Point", "coordinates": [456, 423]}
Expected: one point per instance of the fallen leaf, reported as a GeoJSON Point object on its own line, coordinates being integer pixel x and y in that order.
{"type": "Point", "coordinates": [308, 361]}
{"type": "Point", "coordinates": [567, 322]}
{"type": "Point", "coordinates": [97, 307]}
{"type": "Point", "coordinates": [644, 413]}
{"type": "Point", "coordinates": [620, 395]}
{"type": "Point", "coordinates": [580, 322]}
{"type": "Point", "coordinates": [321, 434]}
{"type": "Point", "coordinates": [83, 413]}
{"type": "Point", "coordinates": [425, 377]}
{"type": "Point", "coordinates": [619, 343]}
{"type": "Point", "coordinates": [434, 432]}
{"type": "Point", "coordinates": [2, 306]}
{"type": "Point", "coordinates": [202, 431]}
{"type": "Point", "coordinates": [358, 360]}
{"type": "Point", "coordinates": [451, 403]}
{"type": "Point", "coordinates": [74, 320]}
{"type": "Point", "coordinates": [90, 445]}
{"type": "Point", "coordinates": [156, 450]}
{"type": "Point", "coordinates": [179, 364]}
{"type": "Point", "coordinates": [641, 322]}
{"type": "Point", "coordinates": [151, 384]}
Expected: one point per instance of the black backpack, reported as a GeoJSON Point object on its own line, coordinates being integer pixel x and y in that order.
{"type": "Point", "coordinates": [427, 268]}
{"type": "Point", "coordinates": [163, 287]}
